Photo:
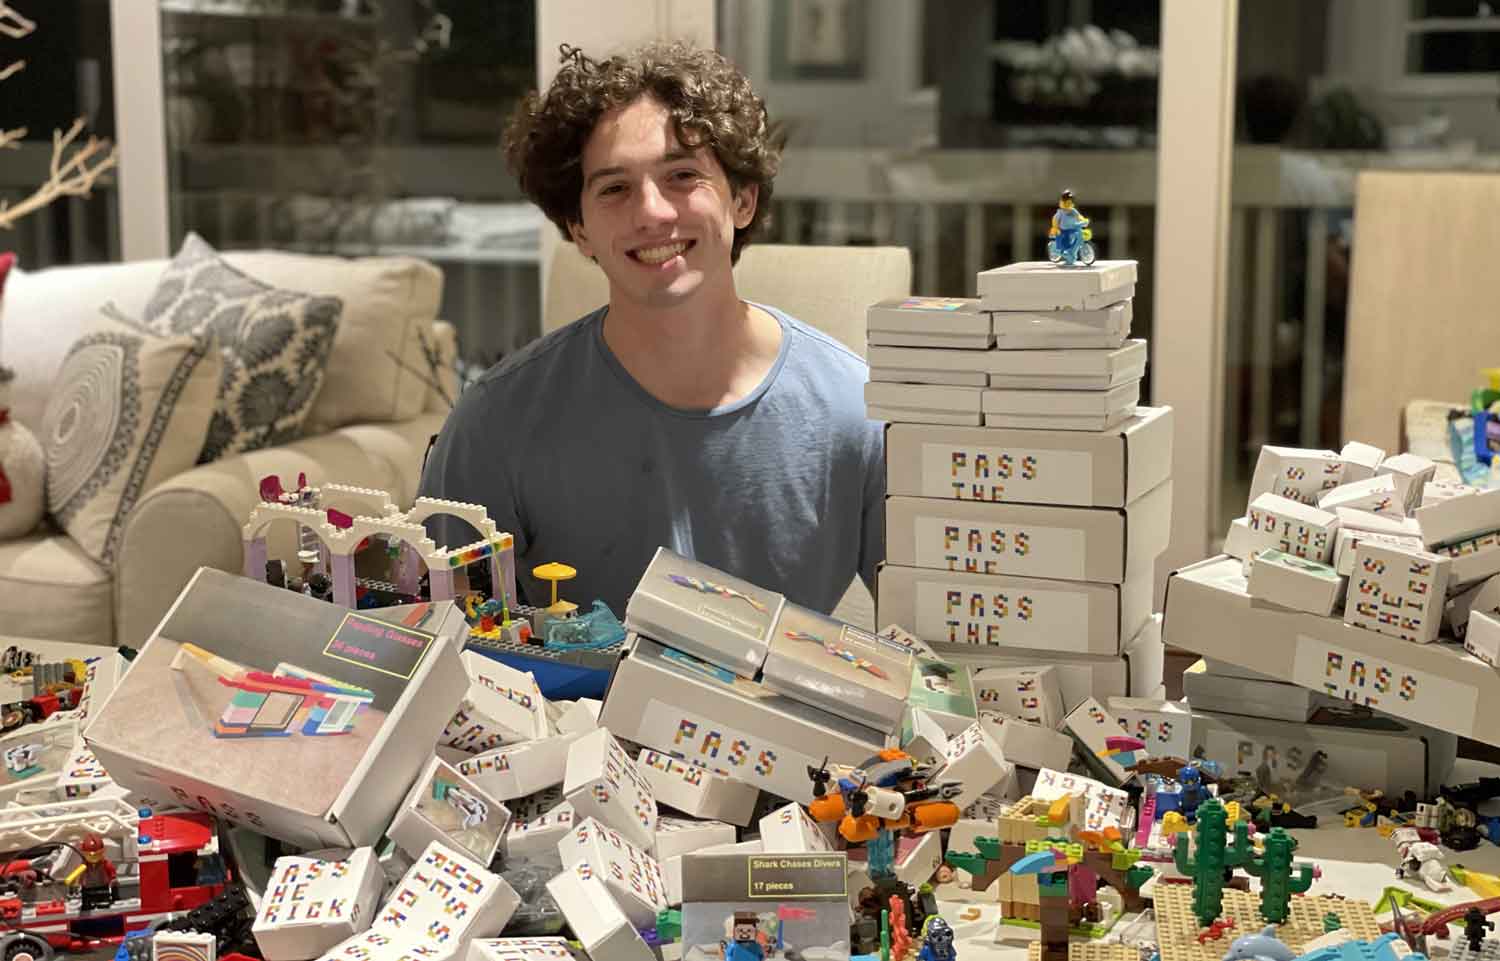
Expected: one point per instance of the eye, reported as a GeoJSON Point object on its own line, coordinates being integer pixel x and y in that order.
{"type": "Point", "coordinates": [611, 189]}
{"type": "Point", "coordinates": [685, 174]}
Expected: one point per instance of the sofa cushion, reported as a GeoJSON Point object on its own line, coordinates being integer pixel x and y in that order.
{"type": "Point", "coordinates": [128, 410]}
{"type": "Point", "coordinates": [274, 344]}
{"type": "Point", "coordinates": [377, 371]}
{"type": "Point", "coordinates": [49, 588]}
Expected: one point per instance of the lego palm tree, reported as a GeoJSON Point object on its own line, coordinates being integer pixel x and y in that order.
{"type": "Point", "coordinates": [1274, 869]}
{"type": "Point", "coordinates": [1212, 855]}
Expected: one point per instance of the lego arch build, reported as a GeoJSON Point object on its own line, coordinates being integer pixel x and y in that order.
{"type": "Point", "coordinates": [334, 537]}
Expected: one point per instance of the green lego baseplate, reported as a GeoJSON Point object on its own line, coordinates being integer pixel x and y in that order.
{"type": "Point", "coordinates": [1177, 930]}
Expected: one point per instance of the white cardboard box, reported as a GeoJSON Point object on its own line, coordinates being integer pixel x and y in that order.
{"type": "Point", "coordinates": [928, 375]}
{"type": "Point", "coordinates": [597, 921]}
{"type": "Point", "coordinates": [1029, 745]}
{"type": "Point", "coordinates": [1482, 639]}
{"type": "Point", "coordinates": [933, 321]}
{"type": "Point", "coordinates": [945, 693]}
{"type": "Point", "coordinates": [1050, 329]}
{"type": "Point", "coordinates": [1292, 527]}
{"type": "Point", "coordinates": [446, 807]}
{"type": "Point", "coordinates": [976, 761]}
{"type": "Point", "coordinates": [923, 737]}
{"type": "Point", "coordinates": [602, 782]}
{"type": "Point", "coordinates": [632, 876]}
{"type": "Point", "coordinates": [1474, 559]}
{"type": "Point", "coordinates": [1348, 538]}
{"type": "Point", "coordinates": [1378, 495]}
{"type": "Point", "coordinates": [1459, 518]}
{"type": "Point", "coordinates": [1041, 285]}
{"type": "Point", "coordinates": [1397, 592]}
{"type": "Point", "coordinates": [1098, 544]}
{"type": "Point", "coordinates": [1434, 492]}
{"type": "Point", "coordinates": [1360, 460]}
{"type": "Point", "coordinates": [1072, 468]}
{"type": "Point", "coordinates": [1412, 472]}
{"type": "Point", "coordinates": [1102, 805]}
{"type": "Point", "coordinates": [519, 949]}
{"type": "Point", "coordinates": [1209, 690]}
{"type": "Point", "coordinates": [517, 770]}
{"type": "Point", "coordinates": [1032, 369]}
{"type": "Point", "coordinates": [838, 667]}
{"type": "Point", "coordinates": [701, 610]}
{"type": "Point", "coordinates": [1094, 410]}
{"type": "Point", "coordinates": [679, 836]}
{"type": "Point", "coordinates": [916, 861]}
{"type": "Point", "coordinates": [1241, 541]}
{"type": "Point", "coordinates": [1296, 473]}
{"type": "Point", "coordinates": [580, 716]}
{"type": "Point", "coordinates": [310, 905]}
{"type": "Point", "coordinates": [682, 706]}
{"type": "Point", "coordinates": [1438, 685]}
{"type": "Point", "coordinates": [1091, 724]}
{"type": "Point", "coordinates": [980, 610]}
{"type": "Point", "coordinates": [1291, 581]}
{"type": "Point", "coordinates": [1359, 520]}
{"type": "Point", "coordinates": [913, 415]}
{"type": "Point", "coordinates": [696, 790]}
{"type": "Point", "coordinates": [671, 868]}
{"type": "Point", "coordinates": [1033, 694]}
{"type": "Point", "coordinates": [1166, 726]}
{"type": "Point", "coordinates": [1136, 671]}
{"type": "Point", "coordinates": [935, 398]}
{"type": "Point", "coordinates": [539, 834]}
{"type": "Point", "coordinates": [502, 706]}
{"type": "Point", "coordinates": [175, 716]}
{"type": "Point", "coordinates": [791, 830]}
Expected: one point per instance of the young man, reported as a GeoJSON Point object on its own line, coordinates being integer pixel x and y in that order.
{"type": "Point", "coordinates": [677, 415]}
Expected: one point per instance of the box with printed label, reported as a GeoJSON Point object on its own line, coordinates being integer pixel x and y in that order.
{"type": "Point", "coordinates": [1387, 757]}
{"type": "Point", "coordinates": [445, 806]}
{"type": "Point", "coordinates": [1097, 544]}
{"type": "Point", "coordinates": [1378, 495]}
{"type": "Point", "coordinates": [1029, 745]}
{"type": "Point", "coordinates": [696, 790]}
{"type": "Point", "coordinates": [1438, 685]}
{"type": "Point", "coordinates": [1135, 672]}
{"type": "Point", "coordinates": [1348, 538]}
{"type": "Point", "coordinates": [1397, 592]}
{"type": "Point", "coordinates": [928, 322]}
{"type": "Point", "coordinates": [1071, 468]}
{"type": "Point", "coordinates": [602, 782]}
{"type": "Point", "coordinates": [597, 921]}
{"type": "Point", "coordinates": [838, 667]}
{"type": "Point", "coordinates": [538, 834]}
{"type": "Point", "coordinates": [310, 905]}
{"type": "Point", "coordinates": [1208, 688]}
{"type": "Point", "coordinates": [1459, 518]}
{"type": "Point", "coordinates": [703, 714]}
{"type": "Point", "coordinates": [945, 693]}
{"type": "Point", "coordinates": [1091, 725]}
{"type": "Point", "coordinates": [1106, 326]}
{"type": "Point", "coordinates": [1165, 726]}
{"type": "Point", "coordinates": [632, 875]}
{"type": "Point", "coordinates": [503, 706]}
{"type": "Point", "coordinates": [678, 836]}
{"type": "Point", "coordinates": [984, 610]}
{"type": "Point", "coordinates": [519, 949]}
{"type": "Point", "coordinates": [790, 829]}
{"type": "Point", "coordinates": [671, 868]}
{"type": "Point", "coordinates": [1094, 410]}
{"type": "Point", "coordinates": [1290, 526]}
{"type": "Point", "coordinates": [1295, 582]}
{"type": "Point", "coordinates": [1032, 694]}
{"type": "Point", "coordinates": [1296, 473]}
{"type": "Point", "coordinates": [1100, 804]}
{"type": "Point", "coordinates": [975, 761]}
{"type": "Point", "coordinates": [1040, 285]}
{"type": "Point", "coordinates": [300, 719]}
{"type": "Point", "coordinates": [1474, 559]}
{"type": "Point", "coordinates": [797, 901]}
{"type": "Point", "coordinates": [517, 770]}
{"type": "Point", "coordinates": [1482, 639]}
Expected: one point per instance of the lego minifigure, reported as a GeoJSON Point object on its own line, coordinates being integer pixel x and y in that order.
{"type": "Point", "coordinates": [95, 877]}
{"type": "Point", "coordinates": [745, 945]}
{"type": "Point", "coordinates": [937, 941]}
{"type": "Point", "coordinates": [1070, 234]}
{"type": "Point", "coordinates": [1474, 927]}
{"type": "Point", "coordinates": [1192, 791]}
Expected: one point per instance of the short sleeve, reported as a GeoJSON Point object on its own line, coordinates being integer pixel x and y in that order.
{"type": "Point", "coordinates": [872, 523]}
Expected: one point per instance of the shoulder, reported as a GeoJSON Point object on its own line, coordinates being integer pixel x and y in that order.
{"type": "Point", "coordinates": [538, 358]}
{"type": "Point", "coordinates": [809, 344]}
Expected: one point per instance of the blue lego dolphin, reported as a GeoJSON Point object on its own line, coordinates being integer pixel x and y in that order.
{"type": "Point", "coordinates": [1262, 946]}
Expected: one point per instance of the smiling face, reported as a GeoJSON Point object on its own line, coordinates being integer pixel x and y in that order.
{"type": "Point", "coordinates": [658, 217]}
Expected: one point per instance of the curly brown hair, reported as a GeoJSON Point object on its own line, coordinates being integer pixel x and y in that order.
{"type": "Point", "coordinates": [710, 101]}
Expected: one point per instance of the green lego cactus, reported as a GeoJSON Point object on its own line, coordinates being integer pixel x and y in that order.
{"type": "Point", "coordinates": [1331, 923]}
{"type": "Point", "coordinates": [1275, 872]}
{"type": "Point", "coordinates": [1211, 856]}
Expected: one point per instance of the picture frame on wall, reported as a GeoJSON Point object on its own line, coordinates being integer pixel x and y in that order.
{"type": "Point", "coordinates": [816, 40]}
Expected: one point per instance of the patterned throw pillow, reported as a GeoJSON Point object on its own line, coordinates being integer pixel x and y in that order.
{"type": "Point", "coordinates": [128, 410]}
{"type": "Point", "coordinates": [275, 344]}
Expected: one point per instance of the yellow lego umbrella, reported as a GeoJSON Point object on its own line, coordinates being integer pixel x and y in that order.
{"type": "Point", "coordinates": [555, 572]}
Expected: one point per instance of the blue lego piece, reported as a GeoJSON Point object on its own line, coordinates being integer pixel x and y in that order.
{"type": "Point", "coordinates": [1260, 946]}
{"type": "Point", "coordinates": [1193, 793]}
{"type": "Point", "coordinates": [744, 951]}
{"type": "Point", "coordinates": [880, 854]}
{"type": "Point", "coordinates": [1377, 950]}
{"type": "Point", "coordinates": [937, 941]}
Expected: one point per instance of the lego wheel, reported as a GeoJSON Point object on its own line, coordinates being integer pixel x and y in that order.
{"type": "Point", "coordinates": [25, 947]}
{"type": "Point", "coordinates": [1052, 253]}
{"type": "Point", "coordinates": [1086, 254]}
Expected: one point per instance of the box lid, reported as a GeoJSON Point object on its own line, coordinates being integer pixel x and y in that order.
{"type": "Point", "coordinates": [928, 315]}
{"type": "Point", "coordinates": [838, 667]}
{"type": "Point", "coordinates": [1051, 403]}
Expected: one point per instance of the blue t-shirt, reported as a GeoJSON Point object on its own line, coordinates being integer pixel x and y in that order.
{"type": "Point", "coordinates": [784, 487]}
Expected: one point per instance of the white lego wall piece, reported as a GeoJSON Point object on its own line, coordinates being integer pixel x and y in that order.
{"type": "Point", "coordinates": [1361, 461]}
{"type": "Point", "coordinates": [602, 782]}
{"type": "Point", "coordinates": [1092, 724]}
{"type": "Point", "coordinates": [446, 807]}
{"type": "Point", "coordinates": [791, 830]}
{"type": "Point", "coordinates": [1295, 583]}
{"type": "Point", "coordinates": [1378, 495]}
{"type": "Point", "coordinates": [1291, 527]}
{"type": "Point", "coordinates": [1296, 473]}
{"type": "Point", "coordinates": [517, 770]}
{"type": "Point", "coordinates": [696, 790]}
{"type": "Point", "coordinates": [184, 946]}
{"type": "Point", "coordinates": [597, 921]}
{"type": "Point", "coordinates": [679, 836]}
{"type": "Point", "coordinates": [519, 949]}
{"type": "Point", "coordinates": [1026, 744]}
{"type": "Point", "coordinates": [1032, 694]}
{"type": "Point", "coordinates": [1166, 726]}
{"type": "Point", "coordinates": [310, 905]}
{"type": "Point", "coordinates": [1482, 639]}
{"type": "Point", "coordinates": [1397, 592]}
{"type": "Point", "coordinates": [539, 834]}
{"type": "Point", "coordinates": [632, 876]}
{"type": "Point", "coordinates": [976, 761]}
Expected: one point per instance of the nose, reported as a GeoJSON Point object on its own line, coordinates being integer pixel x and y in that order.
{"type": "Point", "coordinates": [654, 206]}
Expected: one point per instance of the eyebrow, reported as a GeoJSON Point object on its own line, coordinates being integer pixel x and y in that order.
{"type": "Point", "coordinates": [671, 156]}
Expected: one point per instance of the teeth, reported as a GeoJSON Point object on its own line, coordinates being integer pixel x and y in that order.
{"type": "Point", "coordinates": [657, 255]}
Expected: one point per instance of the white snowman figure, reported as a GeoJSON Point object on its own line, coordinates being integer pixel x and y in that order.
{"type": "Point", "coordinates": [22, 471]}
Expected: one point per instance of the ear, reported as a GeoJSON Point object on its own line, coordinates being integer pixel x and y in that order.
{"type": "Point", "coordinates": [744, 205]}
{"type": "Point", "coordinates": [581, 240]}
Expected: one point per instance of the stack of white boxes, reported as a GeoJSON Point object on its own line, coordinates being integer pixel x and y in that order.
{"type": "Point", "coordinates": [1028, 494]}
